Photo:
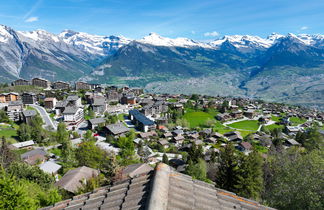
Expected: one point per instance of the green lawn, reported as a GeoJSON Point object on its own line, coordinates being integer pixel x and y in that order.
{"type": "Point", "coordinates": [250, 125]}
{"type": "Point", "coordinates": [9, 134]}
{"type": "Point", "coordinates": [296, 121]}
{"type": "Point", "coordinates": [275, 118]}
{"type": "Point", "coordinates": [273, 126]}
{"type": "Point", "coordinates": [172, 100]}
{"type": "Point", "coordinates": [197, 118]}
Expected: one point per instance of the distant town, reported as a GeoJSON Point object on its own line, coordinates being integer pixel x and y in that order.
{"type": "Point", "coordinates": [103, 135]}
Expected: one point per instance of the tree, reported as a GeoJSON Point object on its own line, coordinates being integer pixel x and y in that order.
{"type": "Point", "coordinates": [165, 159]}
{"type": "Point", "coordinates": [22, 170]}
{"type": "Point", "coordinates": [294, 180]}
{"type": "Point", "coordinates": [88, 136]}
{"type": "Point", "coordinates": [14, 195]}
{"type": "Point", "coordinates": [6, 155]}
{"type": "Point", "coordinates": [37, 131]}
{"type": "Point", "coordinates": [197, 170]}
{"type": "Point", "coordinates": [3, 117]}
{"type": "Point", "coordinates": [228, 170]}
{"type": "Point", "coordinates": [88, 154]}
{"type": "Point", "coordinates": [62, 137]}
{"type": "Point", "coordinates": [250, 179]}
{"type": "Point", "coordinates": [24, 132]}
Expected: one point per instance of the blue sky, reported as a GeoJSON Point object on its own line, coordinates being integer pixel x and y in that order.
{"type": "Point", "coordinates": [197, 19]}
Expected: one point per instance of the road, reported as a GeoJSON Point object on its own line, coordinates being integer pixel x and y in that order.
{"type": "Point", "coordinates": [45, 116]}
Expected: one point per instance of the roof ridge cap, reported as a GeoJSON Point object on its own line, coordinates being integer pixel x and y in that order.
{"type": "Point", "coordinates": [158, 199]}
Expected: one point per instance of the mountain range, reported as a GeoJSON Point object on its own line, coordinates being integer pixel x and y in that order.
{"type": "Point", "coordinates": [284, 68]}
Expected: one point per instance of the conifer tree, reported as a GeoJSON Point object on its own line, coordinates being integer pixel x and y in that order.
{"type": "Point", "coordinates": [250, 179]}
{"type": "Point", "coordinates": [228, 171]}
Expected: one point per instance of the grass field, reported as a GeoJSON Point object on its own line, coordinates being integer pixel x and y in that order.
{"type": "Point", "coordinates": [273, 126]}
{"type": "Point", "coordinates": [296, 121]}
{"type": "Point", "coordinates": [9, 134]}
{"type": "Point", "coordinates": [250, 125]}
{"type": "Point", "coordinates": [197, 118]}
{"type": "Point", "coordinates": [275, 118]}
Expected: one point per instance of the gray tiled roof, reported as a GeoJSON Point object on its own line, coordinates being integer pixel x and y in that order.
{"type": "Point", "coordinates": [163, 189]}
{"type": "Point", "coordinates": [117, 128]}
{"type": "Point", "coordinates": [70, 110]}
{"type": "Point", "coordinates": [29, 113]}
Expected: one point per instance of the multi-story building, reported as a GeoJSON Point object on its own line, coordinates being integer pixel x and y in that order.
{"type": "Point", "coordinates": [41, 82]}
{"type": "Point", "coordinates": [19, 82]}
{"type": "Point", "coordinates": [82, 86]}
{"type": "Point", "coordinates": [50, 103]}
{"type": "Point", "coordinates": [72, 115]}
{"type": "Point", "coordinates": [6, 97]}
{"type": "Point", "coordinates": [59, 85]}
{"type": "Point", "coordinates": [14, 110]}
{"type": "Point", "coordinates": [29, 98]}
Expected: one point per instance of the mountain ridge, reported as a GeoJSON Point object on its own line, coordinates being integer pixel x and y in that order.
{"type": "Point", "coordinates": [244, 65]}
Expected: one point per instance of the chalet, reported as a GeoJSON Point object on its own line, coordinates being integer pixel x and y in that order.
{"type": "Point", "coordinates": [128, 99]}
{"type": "Point", "coordinates": [73, 115]}
{"type": "Point", "coordinates": [20, 82]}
{"type": "Point", "coordinates": [223, 117]}
{"type": "Point", "coordinates": [211, 140]}
{"type": "Point", "coordinates": [82, 86]}
{"type": "Point", "coordinates": [39, 82]}
{"type": "Point", "coordinates": [234, 136]}
{"type": "Point", "coordinates": [73, 100]}
{"type": "Point", "coordinates": [29, 98]}
{"type": "Point", "coordinates": [113, 95]}
{"type": "Point", "coordinates": [33, 157]}
{"type": "Point", "coordinates": [73, 179]}
{"type": "Point", "coordinates": [245, 147]}
{"type": "Point", "coordinates": [164, 143]}
{"type": "Point", "coordinates": [179, 139]}
{"type": "Point", "coordinates": [50, 103]}
{"type": "Point", "coordinates": [59, 85]}
{"type": "Point", "coordinates": [116, 129]}
{"type": "Point", "coordinates": [217, 135]}
{"type": "Point", "coordinates": [237, 114]}
{"type": "Point", "coordinates": [59, 107]}
{"type": "Point", "coordinates": [291, 130]}
{"type": "Point", "coordinates": [94, 123]}
{"type": "Point", "coordinates": [99, 105]}
{"type": "Point", "coordinates": [140, 121]}
{"type": "Point", "coordinates": [249, 113]}
{"type": "Point", "coordinates": [167, 135]}
{"type": "Point", "coordinates": [14, 110]}
{"type": "Point", "coordinates": [28, 115]}
{"type": "Point", "coordinates": [146, 135]}
{"type": "Point", "coordinates": [7, 97]}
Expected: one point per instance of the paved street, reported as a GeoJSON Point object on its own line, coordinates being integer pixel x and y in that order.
{"type": "Point", "coordinates": [45, 116]}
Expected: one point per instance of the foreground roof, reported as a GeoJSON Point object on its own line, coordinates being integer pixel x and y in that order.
{"type": "Point", "coordinates": [163, 188]}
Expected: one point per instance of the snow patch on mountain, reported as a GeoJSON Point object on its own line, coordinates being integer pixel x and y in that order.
{"type": "Point", "coordinates": [157, 40]}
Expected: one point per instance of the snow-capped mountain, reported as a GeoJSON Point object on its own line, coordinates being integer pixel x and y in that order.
{"type": "Point", "coordinates": [157, 40]}
{"type": "Point", "coordinates": [93, 44]}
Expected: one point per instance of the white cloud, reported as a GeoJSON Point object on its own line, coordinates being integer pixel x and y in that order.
{"type": "Point", "coordinates": [213, 33]}
{"type": "Point", "coordinates": [193, 32]}
{"type": "Point", "coordinates": [304, 28]}
{"type": "Point", "coordinates": [31, 19]}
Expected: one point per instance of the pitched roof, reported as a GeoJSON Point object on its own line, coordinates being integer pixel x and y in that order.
{"type": "Point", "coordinates": [140, 117]}
{"type": "Point", "coordinates": [33, 152]}
{"type": "Point", "coordinates": [162, 189]}
{"type": "Point", "coordinates": [136, 169]}
{"type": "Point", "coordinates": [117, 128]}
{"type": "Point", "coordinates": [70, 110]}
{"type": "Point", "coordinates": [96, 121]}
{"type": "Point", "coordinates": [99, 101]}
{"type": "Point", "coordinates": [50, 167]}
{"type": "Point", "coordinates": [29, 113]}
{"type": "Point", "coordinates": [24, 144]}
{"type": "Point", "coordinates": [71, 180]}
{"type": "Point", "coordinates": [72, 98]}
